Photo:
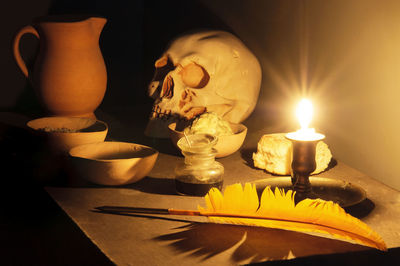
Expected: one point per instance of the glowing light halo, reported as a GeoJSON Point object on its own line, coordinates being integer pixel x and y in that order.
{"type": "Point", "coordinates": [304, 113]}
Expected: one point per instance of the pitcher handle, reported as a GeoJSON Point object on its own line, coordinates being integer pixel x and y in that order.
{"type": "Point", "coordinates": [17, 55]}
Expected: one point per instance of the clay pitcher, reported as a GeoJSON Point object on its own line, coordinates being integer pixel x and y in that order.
{"type": "Point", "coordinates": [69, 74]}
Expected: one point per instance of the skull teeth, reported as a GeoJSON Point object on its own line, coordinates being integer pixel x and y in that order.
{"type": "Point", "coordinates": [158, 113]}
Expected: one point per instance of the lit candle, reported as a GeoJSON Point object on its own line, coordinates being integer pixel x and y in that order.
{"type": "Point", "coordinates": [304, 143]}
{"type": "Point", "coordinates": [304, 113]}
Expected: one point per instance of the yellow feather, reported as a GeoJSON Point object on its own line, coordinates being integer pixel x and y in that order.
{"type": "Point", "coordinates": [278, 210]}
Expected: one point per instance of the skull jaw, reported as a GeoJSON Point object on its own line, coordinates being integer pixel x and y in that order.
{"type": "Point", "coordinates": [158, 127]}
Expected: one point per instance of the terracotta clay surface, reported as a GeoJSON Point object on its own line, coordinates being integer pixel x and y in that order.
{"type": "Point", "coordinates": [69, 74]}
{"type": "Point", "coordinates": [63, 133]}
{"type": "Point", "coordinates": [113, 163]}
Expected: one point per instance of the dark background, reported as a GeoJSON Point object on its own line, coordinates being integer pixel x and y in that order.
{"type": "Point", "coordinates": [33, 229]}
{"type": "Point", "coordinates": [135, 35]}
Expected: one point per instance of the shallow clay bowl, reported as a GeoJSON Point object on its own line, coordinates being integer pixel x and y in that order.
{"type": "Point", "coordinates": [113, 163]}
{"type": "Point", "coordinates": [226, 145]}
{"type": "Point", "coordinates": [63, 133]}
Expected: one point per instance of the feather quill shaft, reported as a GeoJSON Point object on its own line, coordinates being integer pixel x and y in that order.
{"type": "Point", "coordinates": [240, 205]}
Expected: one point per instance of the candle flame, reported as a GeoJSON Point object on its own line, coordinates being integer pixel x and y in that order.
{"type": "Point", "coordinates": [304, 113]}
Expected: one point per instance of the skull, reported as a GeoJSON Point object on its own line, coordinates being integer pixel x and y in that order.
{"type": "Point", "coordinates": [211, 71]}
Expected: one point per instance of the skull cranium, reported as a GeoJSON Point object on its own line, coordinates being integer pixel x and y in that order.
{"type": "Point", "coordinates": [211, 71]}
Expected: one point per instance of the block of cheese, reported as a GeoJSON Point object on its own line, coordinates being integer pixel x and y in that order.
{"type": "Point", "coordinates": [274, 154]}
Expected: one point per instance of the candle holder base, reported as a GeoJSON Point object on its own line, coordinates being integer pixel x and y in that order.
{"type": "Point", "coordinates": [342, 192]}
{"type": "Point", "coordinates": [299, 196]}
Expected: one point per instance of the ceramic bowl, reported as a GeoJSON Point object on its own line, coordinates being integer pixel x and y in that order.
{"type": "Point", "coordinates": [113, 163]}
{"type": "Point", "coordinates": [63, 133]}
{"type": "Point", "coordinates": [226, 145]}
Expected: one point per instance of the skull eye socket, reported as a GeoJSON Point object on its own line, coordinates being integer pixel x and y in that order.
{"type": "Point", "coordinates": [194, 76]}
{"type": "Point", "coordinates": [163, 66]}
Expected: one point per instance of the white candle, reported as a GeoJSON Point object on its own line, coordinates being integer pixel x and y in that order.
{"type": "Point", "coordinates": [304, 113]}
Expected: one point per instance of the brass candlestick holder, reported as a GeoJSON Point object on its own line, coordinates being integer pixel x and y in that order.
{"type": "Point", "coordinates": [304, 143]}
{"type": "Point", "coordinates": [305, 185]}
{"type": "Point", "coordinates": [303, 164]}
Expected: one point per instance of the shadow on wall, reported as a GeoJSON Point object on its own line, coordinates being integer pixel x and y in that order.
{"type": "Point", "coordinates": [135, 35]}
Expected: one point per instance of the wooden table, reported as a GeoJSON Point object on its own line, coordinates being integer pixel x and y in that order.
{"type": "Point", "coordinates": [172, 240]}
{"type": "Point", "coordinates": [160, 240]}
